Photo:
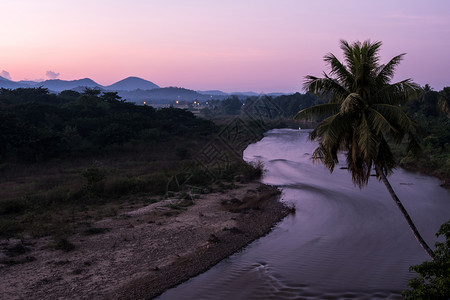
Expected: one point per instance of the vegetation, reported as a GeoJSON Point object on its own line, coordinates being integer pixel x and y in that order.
{"type": "Point", "coordinates": [268, 107]}
{"type": "Point", "coordinates": [38, 126]}
{"type": "Point", "coordinates": [433, 282]}
{"type": "Point", "coordinates": [363, 114]}
{"type": "Point", "coordinates": [431, 113]}
{"type": "Point", "coordinates": [67, 160]}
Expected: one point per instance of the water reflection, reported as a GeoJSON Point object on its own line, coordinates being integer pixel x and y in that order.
{"type": "Point", "coordinates": [343, 242]}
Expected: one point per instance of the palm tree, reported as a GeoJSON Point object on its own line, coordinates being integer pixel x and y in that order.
{"type": "Point", "coordinates": [364, 113]}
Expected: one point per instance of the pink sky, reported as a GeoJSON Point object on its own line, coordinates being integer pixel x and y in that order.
{"type": "Point", "coordinates": [233, 45]}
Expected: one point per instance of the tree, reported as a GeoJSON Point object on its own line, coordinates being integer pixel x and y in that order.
{"type": "Point", "coordinates": [434, 277]}
{"type": "Point", "coordinates": [364, 113]}
{"type": "Point", "coordinates": [444, 100]}
{"type": "Point", "coordinates": [231, 106]}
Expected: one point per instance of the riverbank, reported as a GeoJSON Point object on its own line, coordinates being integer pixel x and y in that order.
{"type": "Point", "coordinates": [139, 253]}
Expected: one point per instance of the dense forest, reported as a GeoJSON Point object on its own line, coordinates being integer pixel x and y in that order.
{"type": "Point", "coordinates": [36, 125]}
{"type": "Point", "coordinates": [431, 111]}
{"type": "Point", "coordinates": [66, 155]}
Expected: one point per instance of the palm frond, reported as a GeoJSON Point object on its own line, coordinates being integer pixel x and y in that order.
{"type": "Point", "coordinates": [324, 86]}
{"type": "Point", "coordinates": [398, 119]}
{"type": "Point", "coordinates": [348, 54]}
{"type": "Point", "coordinates": [338, 69]}
{"type": "Point", "coordinates": [332, 129]}
{"type": "Point", "coordinates": [385, 159]}
{"type": "Point", "coordinates": [351, 103]}
{"type": "Point", "coordinates": [367, 140]}
{"type": "Point", "coordinates": [385, 73]}
{"type": "Point", "coordinates": [317, 111]}
{"type": "Point", "coordinates": [371, 50]}
{"type": "Point", "coordinates": [364, 111]}
{"type": "Point", "coordinates": [379, 123]}
{"type": "Point", "coordinates": [330, 135]}
{"type": "Point", "coordinates": [397, 93]}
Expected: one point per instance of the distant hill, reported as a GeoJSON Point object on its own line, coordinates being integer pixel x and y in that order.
{"type": "Point", "coordinates": [213, 93]}
{"type": "Point", "coordinates": [29, 83]}
{"type": "Point", "coordinates": [8, 84]}
{"type": "Point", "coordinates": [131, 84]}
{"type": "Point", "coordinates": [133, 89]}
{"type": "Point", "coordinates": [58, 85]}
{"type": "Point", "coordinates": [165, 95]}
{"type": "Point", "coordinates": [246, 94]}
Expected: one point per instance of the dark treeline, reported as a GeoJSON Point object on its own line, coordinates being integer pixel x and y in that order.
{"type": "Point", "coordinates": [431, 110]}
{"type": "Point", "coordinates": [285, 106]}
{"type": "Point", "coordinates": [36, 125]}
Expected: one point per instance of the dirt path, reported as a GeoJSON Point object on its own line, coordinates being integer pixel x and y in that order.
{"type": "Point", "coordinates": [142, 252]}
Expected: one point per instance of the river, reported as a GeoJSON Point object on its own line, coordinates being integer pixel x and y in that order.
{"type": "Point", "coordinates": [342, 243]}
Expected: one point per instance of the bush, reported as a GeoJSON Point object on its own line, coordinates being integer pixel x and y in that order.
{"type": "Point", "coordinates": [434, 276]}
{"type": "Point", "coordinates": [12, 206]}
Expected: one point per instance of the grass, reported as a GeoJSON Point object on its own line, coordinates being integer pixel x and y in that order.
{"type": "Point", "coordinates": [55, 197]}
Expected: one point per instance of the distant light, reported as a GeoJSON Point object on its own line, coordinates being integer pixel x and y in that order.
{"type": "Point", "coordinates": [145, 103]}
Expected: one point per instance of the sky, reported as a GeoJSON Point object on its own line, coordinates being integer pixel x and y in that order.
{"type": "Point", "coordinates": [233, 45]}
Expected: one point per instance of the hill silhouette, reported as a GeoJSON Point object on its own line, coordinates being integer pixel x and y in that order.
{"type": "Point", "coordinates": [132, 83]}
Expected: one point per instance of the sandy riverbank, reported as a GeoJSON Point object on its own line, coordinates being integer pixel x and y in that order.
{"type": "Point", "coordinates": [144, 251]}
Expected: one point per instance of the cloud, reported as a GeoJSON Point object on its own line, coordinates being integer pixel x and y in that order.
{"type": "Point", "coordinates": [51, 74]}
{"type": "Point", "coordinates": [5, 74]}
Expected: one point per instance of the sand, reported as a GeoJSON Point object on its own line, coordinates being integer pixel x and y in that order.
{"type": "Point", "coordinates": [145, 251]}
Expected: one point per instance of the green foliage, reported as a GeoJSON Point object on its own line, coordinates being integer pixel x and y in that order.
{"type": "Point", "coordinates": [93, 175]}
{"type": "Point", "coordinates": [433, 282]}
{"type": "Point", "coordinates": [432, 117]}
{"type": "Point", "coordinates": [39, 126]}
{"type": "Point", "coordinates": [363, 113]}
{"type": "Point", "coordinates": [231, 106]}
{"type": "Point", "coordinates": [444, 100]}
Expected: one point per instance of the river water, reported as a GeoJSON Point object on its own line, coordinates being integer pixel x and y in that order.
{"type": "Point", "coordinates": [342, 243]}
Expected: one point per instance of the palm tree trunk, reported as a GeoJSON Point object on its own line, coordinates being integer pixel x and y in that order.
{"type": "Point", "coordinates": [404, 212]}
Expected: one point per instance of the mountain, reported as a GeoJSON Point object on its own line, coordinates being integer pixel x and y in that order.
{"type": "Point", "coordinates": [213, 93]}
{"type": "Point", "coordinates": [59, 85]}
{"type": "Point", "coordinates": [131, 84]}
{"type": "Point", "coordinates": [246, 94]}
{"type": "Point", "coordinates": [165, 95]}
{"type": "Point", "coordinates": [8, 84]}
{"type": "Point", "coordinates": [132, 88]}
{"type": "Point", "coordinates": [29, 83]}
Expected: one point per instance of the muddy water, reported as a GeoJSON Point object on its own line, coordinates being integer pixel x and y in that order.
{"type": "Point", "coordinates": [342, 243]}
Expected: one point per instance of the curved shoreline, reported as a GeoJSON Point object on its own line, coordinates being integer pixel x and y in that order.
{"type": "Point", "coordinates": [141, 252]}
{"type": "Point", "coordinates": [251, 225]}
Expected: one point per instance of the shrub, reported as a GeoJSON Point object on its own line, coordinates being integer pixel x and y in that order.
{"type": "Point", "coordinates": [93, 175]}
{"type": "Point", "coordinates": [434, 276]}
{"type": "Point", "coordinates": [12, 206]}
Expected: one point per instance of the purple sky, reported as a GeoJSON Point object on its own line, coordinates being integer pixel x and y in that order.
{"type": "Point", "coordinates": [233, 45]}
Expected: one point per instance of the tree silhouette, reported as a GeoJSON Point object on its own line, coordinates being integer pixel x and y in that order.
{"type": "Point", "coordinates": [363, 114]}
